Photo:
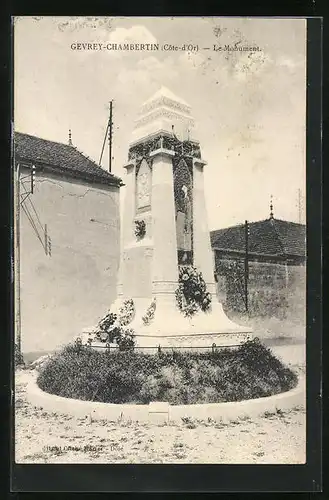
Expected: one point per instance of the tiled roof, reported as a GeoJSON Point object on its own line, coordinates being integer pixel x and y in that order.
{"type": "Point", "coordinates": [267, 237]}
{"type": "Point", "coordinates": [61, 159]}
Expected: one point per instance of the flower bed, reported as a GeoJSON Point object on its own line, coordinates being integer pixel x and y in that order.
{"type": "Point", "coordinates": [249, 372]}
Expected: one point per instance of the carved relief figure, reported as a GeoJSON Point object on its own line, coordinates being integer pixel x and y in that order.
{"type": "Point", "coordinates": [143, 185]}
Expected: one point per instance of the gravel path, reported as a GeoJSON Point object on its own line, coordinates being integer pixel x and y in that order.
{"type": "Point", "coordinates": [41, 437]}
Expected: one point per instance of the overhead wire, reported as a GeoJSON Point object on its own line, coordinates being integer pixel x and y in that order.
{"type": "Point", "coordinates": [107, 129]}
{"type": "Point", "coordinates": [30, 219]}
{"type": "Point", "coordinates": [34, 209]}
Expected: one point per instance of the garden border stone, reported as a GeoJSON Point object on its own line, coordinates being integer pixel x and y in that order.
{"type": "Point", "coordinates": [145, 413]}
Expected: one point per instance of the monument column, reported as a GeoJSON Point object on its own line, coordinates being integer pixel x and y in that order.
{"type": "Point", "coordinates": [157, 173]}
{"type": "Point", "coordinates": [165, 263]}
{"type": "Point", "coordinates": [127, 223]}
{"type": "Point", "coordinates": [202, 251]}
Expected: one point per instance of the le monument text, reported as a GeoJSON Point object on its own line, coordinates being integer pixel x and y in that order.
{"type": "Point", "coordinates": [155, 47]}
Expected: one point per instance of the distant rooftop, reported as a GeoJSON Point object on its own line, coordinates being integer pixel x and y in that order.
{"type": "Point", "coordinates": [267, 237]}
{"type": "Point", "coordinates": [61, 158]}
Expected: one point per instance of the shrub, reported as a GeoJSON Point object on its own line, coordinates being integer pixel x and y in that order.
{"type": "Point", "coordinates": [251, 371]}
{"type": "Point", "coordinates": [125, 339]}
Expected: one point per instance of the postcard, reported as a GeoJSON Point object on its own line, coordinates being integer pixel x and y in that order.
{"type": "Point", "coordinates": [160, 240]}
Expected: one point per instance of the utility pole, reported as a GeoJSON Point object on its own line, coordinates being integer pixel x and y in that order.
{"type": "Point", "coordinates": [110, 137]}
{"type": "Point", "coordinates": [246, 263]}
{"type": "Point", "coordinates": [108, 134]}
{"type": "Point", "coordinates": [17, 259]}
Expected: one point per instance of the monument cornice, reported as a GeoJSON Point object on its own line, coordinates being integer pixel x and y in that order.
{"type": "Point", "coordinates": [130, 164]}
{"type": "Point", "coordinates": [167, 141]}
{"type": "Point", "coordinates": [158, 134]}
{"type": "Point", "coordinates": [163, 152]}
{"type": "Point", "coordinates": [199, 161]}
{"type": "Point", "coordinates": [163, 100]}
{"type": "Point", "coordinates": [162, 113]}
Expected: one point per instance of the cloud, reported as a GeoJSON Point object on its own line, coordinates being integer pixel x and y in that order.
{"type": "Point", "coordinates": [129, 76]}
{"type": "Point", "coordinates": [102, 29]}
{"type": "Point", "coordinates": [144, 76]}
{"type": "Point", "coordinates": [288, 63]}
{"type": "Point", "coordinates": [78, 23]}
{"type": "Point", "coordinates": [192, 61]}
{"type": "Point", "coordinates": [135, 34]}
{"type": "Point", "coordinates": [251, 64]}
{"type": "Point", "coordinates": [150, 64]}
{"type": "Point", "coordinates": [159, 70]}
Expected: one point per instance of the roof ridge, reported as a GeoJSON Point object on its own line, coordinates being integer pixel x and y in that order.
{"type": "Point", "coordinates": [65, 157]}
{"type": "Point", "coordinates": [94, 162]}
{"type": "Point", "coordinates": [68, 146]}
{"type": "Point", "coordinates": [86, 156]}
{"type": "Point", "coordinates": [241, 224]}
{"type": "Point", "coordinates": [43, 139]}
{"type": "Point", "coordinates": [277, 233]}
{"type": "Point", "coordinates": [290, 222]}
{"type": "Point", "coordinates": [270, 236]}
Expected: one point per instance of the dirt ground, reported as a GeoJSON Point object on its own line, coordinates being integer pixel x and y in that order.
{"type": "Point", "coordinates": [41, 437]}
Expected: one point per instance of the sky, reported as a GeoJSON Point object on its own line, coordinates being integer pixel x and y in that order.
{"type": "Point", "coordinates": [249, 108]}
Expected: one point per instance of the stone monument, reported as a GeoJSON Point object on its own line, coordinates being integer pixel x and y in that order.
{"type": "Point", "coordinates": [164, 226]}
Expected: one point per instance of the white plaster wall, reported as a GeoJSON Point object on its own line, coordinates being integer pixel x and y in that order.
{"type": "Point", "coordinates": [64, 293]}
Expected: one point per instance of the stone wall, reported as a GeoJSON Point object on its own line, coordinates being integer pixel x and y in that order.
{"type": "Point", "coordinates": [63, 293]}
{"type": "Point", "coordinates": [274, 290]}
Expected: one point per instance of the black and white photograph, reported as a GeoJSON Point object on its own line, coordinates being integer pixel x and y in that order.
{"type": "Point", "coordinates": [160, 256]}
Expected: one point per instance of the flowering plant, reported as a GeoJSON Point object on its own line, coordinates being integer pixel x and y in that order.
{"type": "Point", "coordinates": [111, 328]}
{"type": "Point", "coordinates": [149, 315]}
{"type": "Point", "coordinates": [126, 312]}
{"type": "Point", "coordinates": [140, 229]}
{"type": "Point", "coordinates": [106, 322]}
{"type": "Point", "coordinates": [191, 294]}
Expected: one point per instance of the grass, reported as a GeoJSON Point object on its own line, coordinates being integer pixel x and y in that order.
{"type": "Point", "coordinates": [251, 371]}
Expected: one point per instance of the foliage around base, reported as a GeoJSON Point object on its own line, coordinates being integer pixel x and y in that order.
{"type": "Point", "coordinates": [248, 372]}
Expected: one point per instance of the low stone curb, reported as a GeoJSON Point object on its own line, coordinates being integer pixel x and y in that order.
{"type": "Point", "coordinates": [161, 412]}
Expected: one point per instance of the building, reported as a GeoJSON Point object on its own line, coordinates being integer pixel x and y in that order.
{"type": "Point", "coordinates": [69, 240]}
{"type": "Point", "coordinates": [276, 266]}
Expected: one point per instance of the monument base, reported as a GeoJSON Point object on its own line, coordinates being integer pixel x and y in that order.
{"type": "Point", "coordinates": [169, 328]}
